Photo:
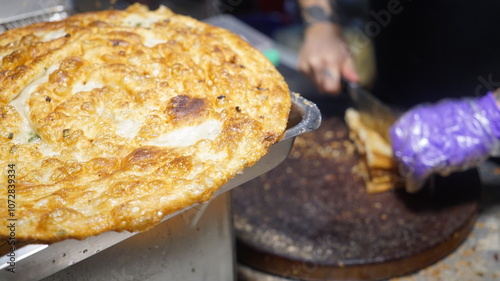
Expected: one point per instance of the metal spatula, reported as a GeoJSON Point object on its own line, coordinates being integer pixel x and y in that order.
{"type": "Point", "coordinates": [374, 113]}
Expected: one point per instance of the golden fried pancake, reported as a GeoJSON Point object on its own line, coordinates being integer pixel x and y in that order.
{"type": "Point", "coordinates": [111, 120]}
{"type": "Point", "coordinates": [378, 166]}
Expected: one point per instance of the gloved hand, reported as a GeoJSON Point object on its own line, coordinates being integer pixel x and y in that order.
{"type": "Point", "coordinates": [448, 136]}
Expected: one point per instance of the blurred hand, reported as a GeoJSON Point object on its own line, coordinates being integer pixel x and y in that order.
{"type": "Point", "coordinates": [325, 58]}
{"type": "Point", "coordinates": [449, 136]}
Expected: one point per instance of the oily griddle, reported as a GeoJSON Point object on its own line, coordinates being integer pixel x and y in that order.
{"type": "Point", "coordinates": [311, 217]}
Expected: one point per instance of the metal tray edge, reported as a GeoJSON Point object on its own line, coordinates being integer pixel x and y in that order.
{"type": "Point", "coordinates": [304, 117]}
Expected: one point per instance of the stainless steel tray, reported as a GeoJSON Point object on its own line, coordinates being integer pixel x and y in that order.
{"type": "Point", "coordinates": [41, 260]}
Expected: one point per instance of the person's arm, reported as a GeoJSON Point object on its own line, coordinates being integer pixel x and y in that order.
{"type": "Point", "coordinates": [324, 56]}
{"type": "Point", "coordinates": [448, 136]}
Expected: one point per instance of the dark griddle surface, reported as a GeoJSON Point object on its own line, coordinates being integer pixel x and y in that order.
{"type": "Point", "coordinates": [312, 212]}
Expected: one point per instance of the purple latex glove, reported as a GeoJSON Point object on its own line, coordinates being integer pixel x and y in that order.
{"type": "Point", "coordinates": [448, 136]}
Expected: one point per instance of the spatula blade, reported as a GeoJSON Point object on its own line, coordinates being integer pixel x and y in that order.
{"type": "Point", "coordinates": [373, 112]}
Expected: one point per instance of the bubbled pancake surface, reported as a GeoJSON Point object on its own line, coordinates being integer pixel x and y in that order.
{"type": "Point", "coordinates": [114, 119]}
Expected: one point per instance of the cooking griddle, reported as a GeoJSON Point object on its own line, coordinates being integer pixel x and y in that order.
{"type": "Point", "coordinates": [311, 219]}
